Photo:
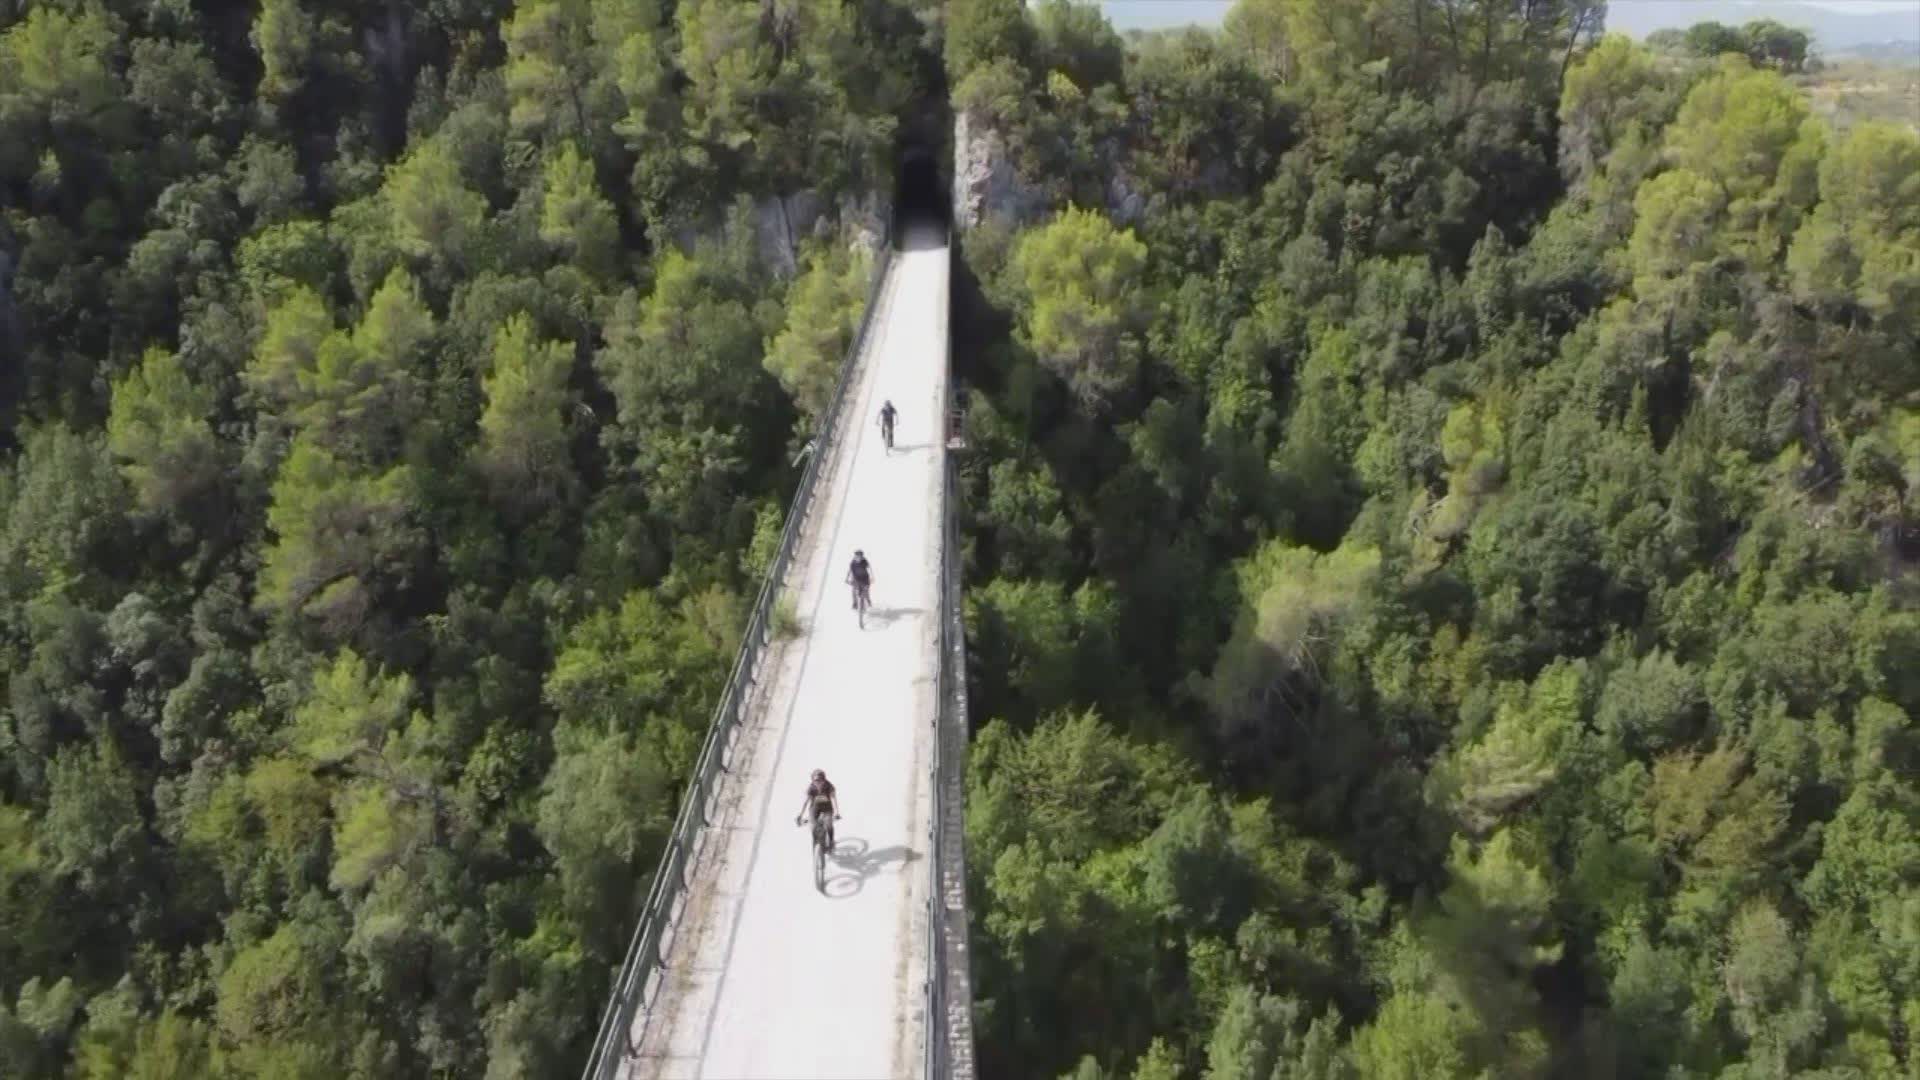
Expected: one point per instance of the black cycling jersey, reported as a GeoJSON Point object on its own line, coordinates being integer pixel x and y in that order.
{"type": "Point", "coordinates": [886, 415]}
{"type": "Point", "coordinates": [821, 794]}
{"type": "Point", "coordinates": [860, 571]}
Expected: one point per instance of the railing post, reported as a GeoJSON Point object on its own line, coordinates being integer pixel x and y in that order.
{"type": "Point", "coordinates": [949, 987]}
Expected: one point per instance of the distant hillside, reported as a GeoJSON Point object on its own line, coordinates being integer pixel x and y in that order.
{"type": "Point", "coordinates": [1891, 54]}
{"type": "Point", "coordinates": [1834, 31]}
{"type": "Point", "coordinates": [1893, 33]}
{"type": "Point", "coordinates": [1850, 90]}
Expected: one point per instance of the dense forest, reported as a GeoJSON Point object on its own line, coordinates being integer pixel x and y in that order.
{"type": "Point", "coordinates": [1443, 552]}
{"type": "Point", "coordinates": [399, 405]}
{"type": "Point", "coordinates": [1440, 525]}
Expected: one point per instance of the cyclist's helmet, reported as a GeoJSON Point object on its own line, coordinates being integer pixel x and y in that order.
{"type": "Point", "coordinates": [858, 554]}
{"type": "Point", "coordinates": [819, 774]}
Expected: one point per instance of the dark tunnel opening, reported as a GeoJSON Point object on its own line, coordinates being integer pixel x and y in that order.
{"type": "Point", "coordinates": [920, 212]}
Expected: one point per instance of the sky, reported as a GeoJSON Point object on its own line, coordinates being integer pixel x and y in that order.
{"type": "Point", "coordinates": [1859, 7]}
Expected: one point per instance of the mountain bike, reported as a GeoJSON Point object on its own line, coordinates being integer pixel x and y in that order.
{"type": "Point", "coordinates": [822, 843]}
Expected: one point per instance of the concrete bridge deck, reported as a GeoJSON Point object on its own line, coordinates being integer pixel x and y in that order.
{"type": "Point", "coordinates": [766, 976]}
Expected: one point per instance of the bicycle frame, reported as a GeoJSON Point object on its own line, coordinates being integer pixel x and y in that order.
{"type": "Point", "coordinates": [821, 824]}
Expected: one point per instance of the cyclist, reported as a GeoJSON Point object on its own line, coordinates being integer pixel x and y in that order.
{"type": "Point", "coordinates": [821, 798]}
{"type": "Point", "coordinates": [887, 413]}
{"type": "Point", "coordinates": [860, 576]}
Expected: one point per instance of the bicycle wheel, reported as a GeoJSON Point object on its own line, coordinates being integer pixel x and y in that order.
{"type": "Point", "coordinates": [819, 865]}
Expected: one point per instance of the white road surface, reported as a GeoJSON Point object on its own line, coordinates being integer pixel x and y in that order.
{"type": "Point", "coordinates": [767, 977]}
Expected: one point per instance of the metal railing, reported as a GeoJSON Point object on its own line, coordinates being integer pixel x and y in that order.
{"type": "Point", "coordinates": [949, 990]}
{"type": "Point", "coordinates": [645, 955]}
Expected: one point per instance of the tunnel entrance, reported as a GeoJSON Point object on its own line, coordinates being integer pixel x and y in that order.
{"type": "Point", "coordinates": [920, 210]}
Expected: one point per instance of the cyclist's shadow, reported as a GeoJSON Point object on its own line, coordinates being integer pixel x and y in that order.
{"type": "Point", "coordinates": [880, 617]}
{"type": "Point", "coordinates": [853, 863]}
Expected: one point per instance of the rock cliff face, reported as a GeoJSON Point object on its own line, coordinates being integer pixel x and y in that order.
{"type": "Point", "coordinates": [781, 223]}
{"type": "Point", "coordinates": [866, 218]}
{"type": "Point", "coordinates": [986, 184]}
{"type": "Point", "coordinates": [1125, 203]}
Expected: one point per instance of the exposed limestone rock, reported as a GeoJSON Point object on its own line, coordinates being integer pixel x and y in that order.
{"type": "Point", "coordinates": [1125, 203]}
{"type": "Point", "coordinates": [782, 223]}
{"type": "Point", "coordinates": [985, 182]}
{"type": "Point", "coordinates": [779, 225]}
{"type": "Point", "coordinates": [866, 218]}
